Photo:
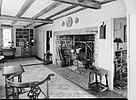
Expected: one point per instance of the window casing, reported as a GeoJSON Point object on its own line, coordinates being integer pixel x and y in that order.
{"type": "Point", "coordinates": [7, 37]}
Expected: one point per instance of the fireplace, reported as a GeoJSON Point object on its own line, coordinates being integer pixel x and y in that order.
{"type": "Point", "coordinates": [77, 51]}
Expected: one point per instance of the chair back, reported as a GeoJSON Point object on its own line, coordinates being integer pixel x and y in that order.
{"type": "Point", "coordinates": [34, 89]}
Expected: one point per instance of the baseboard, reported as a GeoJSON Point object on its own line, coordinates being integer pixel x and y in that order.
{"type": "Point", "coordinates": [38, 58]}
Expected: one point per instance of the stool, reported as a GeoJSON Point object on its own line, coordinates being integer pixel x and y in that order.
{"type": "Point", "coordinates": [99, 86]}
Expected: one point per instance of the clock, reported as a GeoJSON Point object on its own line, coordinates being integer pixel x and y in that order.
{"type": "Point", "coordinates": [69, 22]}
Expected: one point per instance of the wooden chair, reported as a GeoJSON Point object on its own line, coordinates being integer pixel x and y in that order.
{"type": "Point", "coordinates": [33, 90]}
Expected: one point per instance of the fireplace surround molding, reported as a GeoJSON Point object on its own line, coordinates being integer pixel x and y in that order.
{"type": "Point", "coordinates": [88, 30]}
{"type": "Point", "coordinates": [81, 31]}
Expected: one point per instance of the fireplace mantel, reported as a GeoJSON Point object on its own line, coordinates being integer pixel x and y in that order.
{"type": "Point", "coordinates": [88, 30]}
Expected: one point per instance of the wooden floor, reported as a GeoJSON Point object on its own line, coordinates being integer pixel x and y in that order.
{"type": "Point", "coordinates": [81, 81]}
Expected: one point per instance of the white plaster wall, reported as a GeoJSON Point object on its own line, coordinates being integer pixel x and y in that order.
{"type": "Point", "coordinates": [83, 21]}
{"type": "Point", "coordinates": [40, 35]}
{"type": "Point", "coordinates": [132, 65]}
{"type": "Point", "coordinates": [105, 46]}
{"type": "Point", "coordinates": [39, 43]}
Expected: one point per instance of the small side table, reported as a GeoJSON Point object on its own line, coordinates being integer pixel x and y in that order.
{"type": "Point", "coordinates": [11, 70]}
{"type": "Point", "coordinates": [47, 58]}
{"type": "Point", "coordinates": [98, 85]}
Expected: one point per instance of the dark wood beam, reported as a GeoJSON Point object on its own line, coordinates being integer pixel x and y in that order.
{"type": "Point", "coordinates": [0, 6]}
{"type": "Point", "coordinates": [62, 11]}
{"type": "Point", "coordinates": [5, 25]}
{"type": "Point", "coordinates": [45, 10]}
{"type": "Point", "coordinates": [107, 1]}
{"type": "Point", "coordinates": [72, 12]}
{"type": "Point", "coordinates": [57, 13]}
{"type": "Point", "coordinates": [6, 17]}
{"type": "Point", "coordinates": [23, 9]}
{"type": "Point", "coordinates": [85, 3]}
{"type": "Point", "coordinates": [40, 25]}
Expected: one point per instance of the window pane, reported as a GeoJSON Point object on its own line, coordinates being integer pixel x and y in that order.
{"type": "Point", "coordinates": [6, 37]}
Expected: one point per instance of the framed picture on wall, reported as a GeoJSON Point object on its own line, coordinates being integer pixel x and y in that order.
{"type": "Point", "coordinates": [103, 31]}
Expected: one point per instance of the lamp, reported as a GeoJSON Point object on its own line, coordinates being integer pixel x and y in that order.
{"type": "Point", "coordinates": [32, 41]}
{"type": "Point", "coordinates": [72, 51]}
{"type": "Point", "coordinates": [118, 40]}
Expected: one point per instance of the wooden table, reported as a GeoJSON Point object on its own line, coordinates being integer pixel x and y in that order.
{"type": "Point", "coordinates": [98, 85]}
{"type": "Point", "coordinates": [13, 50]}
{"type": "Point", "coordinates": [12, 70]}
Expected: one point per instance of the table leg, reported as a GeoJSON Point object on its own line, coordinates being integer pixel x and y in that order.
{"type": "Point", "coordinates": [100, 88]}
{"type": "Point", "coordinates": [106, 77]}
{"type": "Point", "coordinates": [6, 90]}
{"type": "Point", "coordinates": [96, 80]}
{"type": "Point", "coordinates": [19, 80]}
{"type": "Point", "coordinates": [89, 80]}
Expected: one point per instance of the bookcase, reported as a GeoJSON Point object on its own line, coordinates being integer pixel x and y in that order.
{"type": "Point", "coordinates": [120, 75]}
{"type": "Point", "coordinates": [25, 40]}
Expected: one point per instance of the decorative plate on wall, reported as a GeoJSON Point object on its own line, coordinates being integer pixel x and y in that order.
{"type": "Point", "coordinates": [76, 20]}
{"type": "Point", "coordinates": [63, 23]}
{"type": "Point", "coordinates": [69, 21]}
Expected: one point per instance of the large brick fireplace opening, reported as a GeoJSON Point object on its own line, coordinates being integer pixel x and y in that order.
{"type": "Point", "coordinates": [76, 51]}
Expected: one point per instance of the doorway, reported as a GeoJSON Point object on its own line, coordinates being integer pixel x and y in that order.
{"type": "Point", "coordinates": [48, 55]}
{"type": "Point", "coordinates": [120, 55]}
{"type": "Point", "coordinates": [47, 41]}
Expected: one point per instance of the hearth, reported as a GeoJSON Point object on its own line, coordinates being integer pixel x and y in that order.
{"type": "Point", "coordinates": [76, 50]}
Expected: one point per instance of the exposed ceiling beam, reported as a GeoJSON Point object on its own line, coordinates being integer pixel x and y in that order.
{"type": "Point", "coordinates": [4, 25]}
{"type": "Point", "coordinates": [0, 6]}
{"type": "Point", "coordinates": [57, 13]}
{"type": "Point", "coordinates": [62, 11]}
{"type": "Point", "coordinates": [45, 10]}
{"type": "Point", "coordinates": [40, 25]}
{"type": "Point", "coordinates": [72, 12]}
{"type": "Point", "coordinates": [6, 17]}
{"type": "Point", "coordinates": [23, 9]}
{"type": "Point", "coordinates": [107, 1]}
{"type": "Point", "coordinates": [85, 3]}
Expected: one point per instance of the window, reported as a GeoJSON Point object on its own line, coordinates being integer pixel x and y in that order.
{"type": "Point", "coordinates": [7, 37]}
